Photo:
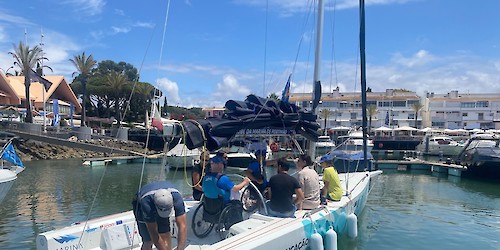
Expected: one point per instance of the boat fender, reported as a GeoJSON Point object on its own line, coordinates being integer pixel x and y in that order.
{"type": "Point", "coordinates": [352, 226]}
{"type": "Point", "coordinates": [331, 239]}
{"type": "Point", "coordinates": [316, 242]}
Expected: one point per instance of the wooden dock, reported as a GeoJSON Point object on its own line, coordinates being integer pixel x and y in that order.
{"type": "Point", "coordinates": [417, 164]}
{"type": "Point", "coordinates": [117, 160]}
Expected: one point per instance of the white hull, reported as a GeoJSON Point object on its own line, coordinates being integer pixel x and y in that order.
{"type": "Point", "coordinates": [7, 178]}
{"type": "Point", "coordinates": [256, 232]}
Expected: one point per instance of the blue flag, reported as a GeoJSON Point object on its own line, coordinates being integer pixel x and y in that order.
{"type": "Point", "coordinates": [55, 110]}
{"type": "Point", "coordinates": [387, 118]}
{"type": "Point", "coordinates": [286, 92]}
{"type": "Point", "coordinates": [9, 154]}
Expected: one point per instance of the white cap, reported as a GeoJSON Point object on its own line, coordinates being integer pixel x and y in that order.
{"type": "Point", "coordinates": [164, 202]}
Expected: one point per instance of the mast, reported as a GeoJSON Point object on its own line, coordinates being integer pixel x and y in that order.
{"type": "Point", "coordinates": [363, 76]}
{"type": "Point", "coordinates": [43, 87]}
{"type": "Point", "coordinates": [317, 63]}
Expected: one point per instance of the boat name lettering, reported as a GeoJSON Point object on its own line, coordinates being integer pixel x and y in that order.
{"type": "Point", "coordinates": [300, 245]}
{"type": "Point", "coordinates": [71, 247]}
{"type": "Point", "coordinates": [106, 226]}
{"type": "Point", "coordinates": [266, 131]}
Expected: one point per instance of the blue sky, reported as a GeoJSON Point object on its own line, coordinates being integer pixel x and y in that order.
{"type": "Point", "coordinates": [219, 50]}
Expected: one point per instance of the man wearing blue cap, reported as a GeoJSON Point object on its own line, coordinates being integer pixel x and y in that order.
{"type": "Point", "coordinates": [216, 184]}
{"type": "Point", "coordinates": [255, 170]}
{"type": "Point", "coordinates": [332, 189]}
{"type": "Point", "coordinates": [152, 208]}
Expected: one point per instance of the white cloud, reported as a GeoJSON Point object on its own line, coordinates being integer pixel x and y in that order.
{"type": "Point", "coordinates": [230, 88]}
{"type": "Point", "coordinates": [88, 7]}
{"type": "Point", "coordinates": [144, 25]}
{"type": "Point", "coordinates": [116, 30]}
{"type": "Point", "coordinates": [3, 35]}
{"type": "Point", "coordinates": [420, 58]}
{"type": "Point", "coordinates": [119, 12]}
{"type": "Point", "coordinates": [14, 19]}
{"type": "Point", "coordinates": [170, 90]}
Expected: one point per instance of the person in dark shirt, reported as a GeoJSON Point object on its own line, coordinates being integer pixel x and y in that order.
{"type": "Point", "coordinates": [152, 207]}
{"type": "Point", "coordinates": [199, 170]}
{"type": "Point", "coordinates": [256, 172]}
{"type": "Point", "coordinates": [281, 188]}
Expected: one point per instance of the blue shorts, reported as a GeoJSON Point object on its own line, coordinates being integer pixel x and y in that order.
{"type": "Point", "coordinates": [287, 214]}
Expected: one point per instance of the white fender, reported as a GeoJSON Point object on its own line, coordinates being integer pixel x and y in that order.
{"type": "Point", "coordinates": [331, 239]}
{"type": "Point", "coordinates": [316, 242]}
{"type": "Point", "coordinates": [352, 226]}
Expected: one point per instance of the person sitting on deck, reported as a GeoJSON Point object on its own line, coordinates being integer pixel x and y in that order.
{"type": "Point", "coordinates": [332, 189]}
{"type": "Point", "coordinates": [309, 182]}
{"type": "Point", "coordinates": [216, 184]}
{"type": "Point", "coordinates": [280, 191]}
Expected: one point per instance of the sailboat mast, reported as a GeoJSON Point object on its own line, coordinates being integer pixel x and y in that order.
{"type": "Point", "coordinates": [363, 76]}
{"type": "Point", "coordinates": [317, 64]}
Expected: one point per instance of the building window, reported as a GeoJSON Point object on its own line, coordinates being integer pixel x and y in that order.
{"type": "Point", "coordinates": [468, 105]}
{"type": "Point", "coordinates": [480, 116]}
{"type": "Point", "coordinates": [354, 116]}
{"type": "Point", "coordinates": [399, 104]}
{"type": "Point", "coordinates": [465, 114]}
{"type": "Point", "coordinates": [482, 104]}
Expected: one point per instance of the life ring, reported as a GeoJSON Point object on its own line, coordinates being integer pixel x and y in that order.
{"type": "Point", "coordinates": [274, 147]}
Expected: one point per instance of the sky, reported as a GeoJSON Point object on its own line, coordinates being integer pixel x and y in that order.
{"type": "Point", "coordinates": [202, 53]}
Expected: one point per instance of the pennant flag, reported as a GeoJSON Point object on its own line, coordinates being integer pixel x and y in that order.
{"type": "Point", "coordinates": [156, 118]}
{"type": "Point", "coordinates": [387, 118]}
{"type": "Point", "coordinates": [9, 154]}
{"type": "Point", "coordinates": [285, 96]}
{"type": "Point", "coordinates": [34, 77]}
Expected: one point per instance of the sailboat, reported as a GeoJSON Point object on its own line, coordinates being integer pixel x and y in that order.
{"type": "Point", "coordinates": [10, 166]}
{"type": "Point", "coordinates": [309, 229]}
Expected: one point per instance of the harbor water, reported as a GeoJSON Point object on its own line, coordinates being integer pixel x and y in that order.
{"type": "Point", "coordinates": [405, 210]}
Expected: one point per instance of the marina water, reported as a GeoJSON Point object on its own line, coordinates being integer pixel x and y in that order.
{"type": "Point", "coordinates": [405, 210]}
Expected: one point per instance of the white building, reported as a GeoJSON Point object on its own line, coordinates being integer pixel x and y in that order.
{"type": "Point", "coordinates": [394, 108]}
{"type": "Point", "coordinates": [463, 111]}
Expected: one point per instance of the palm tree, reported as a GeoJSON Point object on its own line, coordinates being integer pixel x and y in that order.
{"type": "Point", "coordinates": [371, 110]}
{"type": "Point", "coordinates": [116, 81]}
{"type": "Point", "coordinates": [26, 58]}
{"type": "Point", "coordinates": [325, 113]}
{"type": "Point", "coordinates": [83, 65]}
{"type": "Point", "coordinates": [417, 106]}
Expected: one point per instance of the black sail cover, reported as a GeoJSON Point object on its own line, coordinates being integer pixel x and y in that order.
{"type": "Point", "coordinates": [253, 113]}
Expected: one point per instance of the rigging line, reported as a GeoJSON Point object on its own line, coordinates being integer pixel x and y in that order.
{"type": "Point", "coordinates": [333, 63]}
{"type": "Point", "coordinates": [265, 50]}
{"type": "Point", "coordinates": [113, 148]}
{"type": "Point", "coordinates": [163, 40]}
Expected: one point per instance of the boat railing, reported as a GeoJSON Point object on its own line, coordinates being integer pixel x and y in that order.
{"type": "Point", "coordinates": [255, 187]}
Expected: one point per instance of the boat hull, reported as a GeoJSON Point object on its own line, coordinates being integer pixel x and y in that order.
{"type": "Point", "coordinates": [396, 144]}
{"type": "Point", "coordinates": [7, 178]}
{"type": "Point", "coordinates": [256, 232]}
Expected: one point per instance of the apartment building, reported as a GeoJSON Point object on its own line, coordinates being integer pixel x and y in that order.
{"type": "Point", "coordinates": [393, 108]}
{"type": "Point", "coordinates": [456, 110]}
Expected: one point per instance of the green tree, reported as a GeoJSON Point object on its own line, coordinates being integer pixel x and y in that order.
{"type": "Point", "coordinates": [26, 59]}
{"type": "Point", "coordinates": [371, 110]}
{"type": "Point", "coordinates": [83, 65]}
{"type": "Point", "coordinates": [325, 113]}
{"type": "Point", "coordinates": [117, 81]}
{"type": "Point", "coordinates": [417, 106]}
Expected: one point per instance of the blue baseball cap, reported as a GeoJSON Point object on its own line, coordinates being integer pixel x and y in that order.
{"type": "Point", "coordinates": [325, 158]}
{"type": "Point", "coordinates": [217, 159]}
{"type": "Point", "coordinates": [260, 152]}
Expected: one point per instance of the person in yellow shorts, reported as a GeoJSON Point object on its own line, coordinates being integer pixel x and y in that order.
{"type": "Point", "coordinates": [332, 189]}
